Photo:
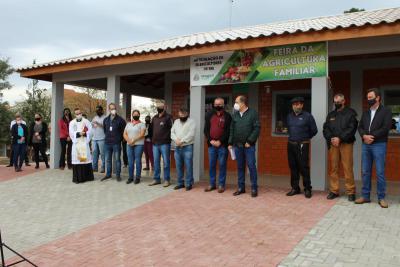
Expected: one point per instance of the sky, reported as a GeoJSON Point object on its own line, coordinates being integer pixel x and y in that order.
{"type": "Point", "coordinates": [46, 30]}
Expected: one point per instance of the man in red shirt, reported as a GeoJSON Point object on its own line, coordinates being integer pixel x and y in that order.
{"type": "Point", "coordinates": [216, 129]}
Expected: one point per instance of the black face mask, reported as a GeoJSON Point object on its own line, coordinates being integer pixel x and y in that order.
{"type": "Point", "coordinates": [99, 112]}
{"type": "Point", "coordinates": [160, 110]}
{"type": "Point", "coordinates": [371, 102]}
{"type": "Point", "coordinates": [218, 108]}
{"type": "Point", "coordinates": [183, 119]}
{"type": "Point", "coordinates": [136, 118]}
{"type": "Point", "coordinates": [37, 119]}
{"type": "Point", "coordinates": [147, 121]}
{"type": "Point", "coordinates": [338, 106]}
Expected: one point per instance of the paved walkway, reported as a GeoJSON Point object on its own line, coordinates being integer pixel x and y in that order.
{"type": "Point", "coordinates": [8, 173]}
{"type": "Point", "coordinates": [57, 223]}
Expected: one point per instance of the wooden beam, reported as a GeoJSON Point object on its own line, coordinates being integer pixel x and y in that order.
{"type": "Point", "coordinates": [284, 39]}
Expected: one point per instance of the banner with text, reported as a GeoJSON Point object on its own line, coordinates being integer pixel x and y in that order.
{"type": "Point", "coordinates": [260, 64]}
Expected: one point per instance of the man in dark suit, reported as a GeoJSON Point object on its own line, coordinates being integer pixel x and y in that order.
{"type": "Point", "coordinates": [374, 129]}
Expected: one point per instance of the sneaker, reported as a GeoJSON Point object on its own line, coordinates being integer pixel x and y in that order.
{"type": "Point", "coordinates": [155, 182]}
{"type": "Point", "coordinates": [362, 200]}
{"type": "Point", "coordinates": [210, 188]}
{"type": "Point", "coordinates": [383, 204]}
{"type": "Point", "coordinates": [167, 183]}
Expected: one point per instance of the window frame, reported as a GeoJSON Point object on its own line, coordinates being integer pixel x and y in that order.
{"type": "Point", "coordinates": [274, 96]}
{"type": "Point", "coordinates": [383, 90]}
{"type": "Point", "coordinates": [228, 106]}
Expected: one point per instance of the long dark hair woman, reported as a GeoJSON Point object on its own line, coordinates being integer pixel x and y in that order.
{"type": "Point", "coordinates": [65, 140]}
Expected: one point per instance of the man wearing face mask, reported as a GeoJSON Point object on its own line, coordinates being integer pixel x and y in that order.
{"type": "Point", "coordinates": [148, 145]}
{"type": "Point", "coordinates": [216, 129]}
{"type": "Point", "coordinates": [182, 133]}
{"type": "Point", "coordinates": [19, 133]}
{"type": "Point", "coordinates": [339, 131]}
{"type": "Point", "coordinates": [162, 124]}
{"type": "Point", "coordinates": [37, 140]}
{"type": "Point", "coordinates": [12, 152]}
{"type": "Point", "coordinates": [374, 130]}
{"type": "Point", "coordinates": [98, 139]}
{"type": "Point", "coordinates": [114, 126]}
{"type": "Point", "coordinates": [301, 128]}
{"type": "Point", "coordinates": [243, 135]}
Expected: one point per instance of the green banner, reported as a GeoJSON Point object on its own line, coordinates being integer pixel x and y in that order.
{"type": "Point", "coordinates": [287, 62]}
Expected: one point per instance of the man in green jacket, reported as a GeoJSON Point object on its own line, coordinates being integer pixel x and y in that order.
{"type": "Point", "coordinates": [244, 131]}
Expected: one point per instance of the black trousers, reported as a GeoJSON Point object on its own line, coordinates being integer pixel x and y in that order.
{"type": "Point", "coordinates": [12, 156]}
{"type": "Point", "coordinates": [299, 164]}
{"type": "Point", "coordinates": [42, 149]}
{"type": "Point", "coordinates": [66, 148]}
{"type": "Point", "coordinates": [124, 153]}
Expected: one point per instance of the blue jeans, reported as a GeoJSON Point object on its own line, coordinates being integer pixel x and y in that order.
{"type": "Point", "coordinates": [220, 154]}
{"type": "Point", "coordinates": [163, 151]}
{"type": "Point", "coordinates": [184, 159]}
{"type": "Point", "coordinates": [375, 152]}
{"type": "Point", "coordinates": [19, 154]}
{"type": "Point", "coordinates": [109, 150]}
{"type": "Point", "coordinates": [98, 148]}
{"type": "Point", "coordinates": [246, 156]}
{"type": "Point", "coordinates": [135, 157]}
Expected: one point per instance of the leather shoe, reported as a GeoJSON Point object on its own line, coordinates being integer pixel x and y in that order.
{"type": "Point", "coordinates": [307, 193]}
{"type": "Point", "coordinates": [254, 193]}
{"type": "Point", "coordinates": [239, 192]}
{"type": "Point", "coordinates": [332, 195]}
{"type": "Point", "coordinates": [129, 181]}
{"type": "Point", "coordinates": [210, 188]}
{"type": "Point", "coordinates": [293, 192]}
{"type": "Point", "coordinates": [352, 198]}
{"type": "Point", "coordinates": [362, 200]}
{"type": "Point", "coordinates": [119, 178]}
{"type": "Point", "coordinates": [155, 183]}
{"type": "Point", "coordinates": [166, 184]}
{"type": "Point", "coordinates": [136, 181]}
{"type": "Point", "coordinates": [179, 187]}
{"type": "Point", "coordinates": [383, 204]}
{"type": "Point", "coordinates": [221, 189]}
{"type": "Point", "coordinates": [9, 165]}
{"type": "Point", "coordinates": [188, 188]}
{"type": "Point", "coordinates": [105, 178]}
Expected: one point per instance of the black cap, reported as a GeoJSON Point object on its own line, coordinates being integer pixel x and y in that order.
{"type": "Point", "coordinates": [297, 99]}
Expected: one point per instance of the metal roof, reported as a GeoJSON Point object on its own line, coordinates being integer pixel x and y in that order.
{"type": "Point", "coordinates": [356, 19]}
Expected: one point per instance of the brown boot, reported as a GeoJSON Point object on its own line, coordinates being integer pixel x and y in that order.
{"type": "Point", "coordinates": [383, 204]}
{"type": "Point", "coordinates": [362, 200]}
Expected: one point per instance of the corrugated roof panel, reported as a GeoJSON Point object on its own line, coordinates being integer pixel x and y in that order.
{"type": "Point", "coordinates": [374, 17]}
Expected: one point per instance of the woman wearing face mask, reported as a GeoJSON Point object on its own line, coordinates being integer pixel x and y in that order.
{"type": "Point", "coordinates": [134, 136]}
{"type": "Point", "coordinates": [37, 140]}
{"type": "Point", "coordinates": [80, 133]}
{"type": "Point", "coordinates": [65, 140]}
{"type": "Point", "coordinates": [19, 133]}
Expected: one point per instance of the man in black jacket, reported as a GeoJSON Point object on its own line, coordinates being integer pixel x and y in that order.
{"type": "Point", "coordinates": [19, 133]}
{"type": "Point", "coordinates": [216, 129]}
{"type": "Point", "coordinates": [340, 128]}
{"type": "Point", "coordinates": [374, 130]}
{"type": "Point", "coordinates": [37, 139]}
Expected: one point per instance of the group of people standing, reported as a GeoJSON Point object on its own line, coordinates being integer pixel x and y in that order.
{"type": "Point", "coordinates": [227, 134]}
{"type": "Point", "coordinates": [23, 137]}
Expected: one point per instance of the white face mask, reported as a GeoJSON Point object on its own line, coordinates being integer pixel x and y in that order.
{"type": "Point", "coordinates": [236, 107]}
{"type": "Point", "coordinates": [113, 112]}
{"type": "Point", "coordinates": [18, 122]}
{"type": "Point", "coordinates": [78, 117]}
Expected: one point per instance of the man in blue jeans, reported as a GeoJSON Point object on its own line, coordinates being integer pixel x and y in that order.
{"type": "Point", "coordinates": [98, 139]}
{"type": "Point", "coordinates": [162, 124]}
{"type": "Point", "coordinates": [182, 133]}
{"type": "Point", "coordinates": [244, 132]}
{"type": "Point", "coordinates": [374, 128]}
{"type": "Point", "coordinates": [216, 130]}
{"type": "Point", "coordinates": [114, 126]}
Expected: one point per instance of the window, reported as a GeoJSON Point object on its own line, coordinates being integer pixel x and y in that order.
{"type": "Point", "coordinates": [391, 99]}
{"type": "Point", "coordinates": [281, 107]}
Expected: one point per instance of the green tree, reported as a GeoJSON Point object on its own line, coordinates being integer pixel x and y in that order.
{"type": "Point", "coordinates": [6, 116]}
{"type": "Point", "coordinates": [37, 101]}
{"type": "Point", "coordinates": [353, 9]}
{"type": "Point", "coordinates": [5, 71]}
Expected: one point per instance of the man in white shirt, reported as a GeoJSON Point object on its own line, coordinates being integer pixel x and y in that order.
{"type": "Point", "coordinates": [182, 134]}
{"type": "Point", "coordinates": [98, 139]}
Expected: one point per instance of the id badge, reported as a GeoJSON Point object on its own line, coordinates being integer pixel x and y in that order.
{"type": "Point", "coordinates": [110, 128]}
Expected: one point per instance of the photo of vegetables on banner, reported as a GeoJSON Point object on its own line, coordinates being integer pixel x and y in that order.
{"type": "Point", "coordinates": [288, 62]}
